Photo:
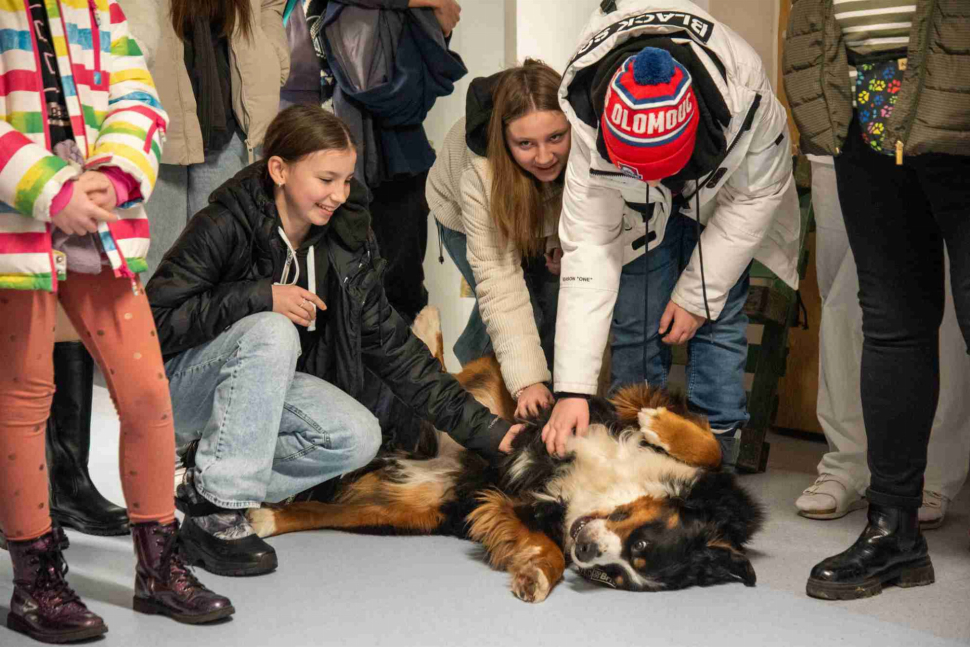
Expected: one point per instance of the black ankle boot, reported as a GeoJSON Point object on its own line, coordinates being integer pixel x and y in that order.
{"type": "Point", "coordinates": [75, 501]}
{"type": "Point", "coordinates": [220, 540]}
{"type": "Point", "coordinates": [891, 550]}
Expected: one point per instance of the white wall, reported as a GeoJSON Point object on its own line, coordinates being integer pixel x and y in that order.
{"type": "Point", "coordinates": [549, 29]}
{"type": "Point", "coordinates": [480, 40]}
{"type": "Point", "coordinates": [756, 21]}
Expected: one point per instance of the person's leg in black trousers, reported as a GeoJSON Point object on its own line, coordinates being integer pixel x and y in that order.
{"type": "Point", "coordinates": [946, 179]}
{"type": "Point", "coordinates": [898, 248]}
{"type": "Point", "coordinates": [399, 217]}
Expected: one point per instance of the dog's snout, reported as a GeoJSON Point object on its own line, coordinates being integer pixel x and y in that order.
{"type": "Point", "coordinates": [587, 551]}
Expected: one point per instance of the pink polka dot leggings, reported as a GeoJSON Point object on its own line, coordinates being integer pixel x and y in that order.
{"type": "Point", "coordinates": [117, 328]}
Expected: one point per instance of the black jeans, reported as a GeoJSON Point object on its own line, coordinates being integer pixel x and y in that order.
{"type": "Point", "coordinates": [399, 217]}
{"type": "Point", "coordinates": [898, 219]}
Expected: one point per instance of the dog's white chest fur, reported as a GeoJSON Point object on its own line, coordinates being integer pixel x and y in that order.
{"type": "Point", "coordinates": [608, 472]}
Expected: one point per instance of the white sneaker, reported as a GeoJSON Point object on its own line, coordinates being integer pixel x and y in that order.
{"type": "Point", "coordinates": [828, 498]}
{"type": "Point", "coordinates": [933, 510]}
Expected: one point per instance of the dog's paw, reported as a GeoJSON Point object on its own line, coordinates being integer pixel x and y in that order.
{"type": "Point", "coordinates": [530, 584]}
{"type": "Point", "coordinates": [263, 521]}
{"type": "Point", "coordinates": [648, 419]}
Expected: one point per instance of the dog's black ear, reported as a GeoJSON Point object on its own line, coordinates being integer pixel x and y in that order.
{"type": "Point", "coordinates": [710, 562]}
{"type": "Point", "coordinates": [731, 566]}
{"type": "Point", "coordinates": [716, 499]}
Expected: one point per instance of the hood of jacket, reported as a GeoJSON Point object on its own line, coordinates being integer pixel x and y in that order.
{"type": "Point", "coordinates": [478, 112]}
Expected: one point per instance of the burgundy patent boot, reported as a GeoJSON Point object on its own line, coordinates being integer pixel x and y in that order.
{"type": "Point", "coordinates": [164, 585]}
{"type": "Point", "coordinates": [43, 606]}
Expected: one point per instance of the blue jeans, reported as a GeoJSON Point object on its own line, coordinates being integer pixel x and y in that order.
{"type": "Point", "coordinates": [265, 431]}
{"type": "Point", "coordinates": [543, 286]}
{"type": "Point", "coordinates": [715, 370]}
{"type": "Point", "coordinates": [183, 191]}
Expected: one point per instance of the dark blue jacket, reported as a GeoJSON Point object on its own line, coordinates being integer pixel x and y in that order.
{"type": "Point", "coordinates": [389, 67]}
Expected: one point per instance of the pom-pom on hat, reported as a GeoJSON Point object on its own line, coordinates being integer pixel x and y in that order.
{"type": "Point", "coordinates": [649, 121]}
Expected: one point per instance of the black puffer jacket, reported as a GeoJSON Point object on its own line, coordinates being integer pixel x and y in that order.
{"type": "Point", "coordinates": [222, 269]}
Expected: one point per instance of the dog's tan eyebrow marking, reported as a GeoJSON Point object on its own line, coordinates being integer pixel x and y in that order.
{"type": "Point", "coordinates": [639, 562]}
{"type": "Point", "coordinates": [635, 514]}
{"type": "Point", "coordinates": [724, 545]}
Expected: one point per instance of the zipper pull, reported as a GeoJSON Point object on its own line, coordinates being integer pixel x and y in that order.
{"type": "Point", "coordinates": [899, 152]}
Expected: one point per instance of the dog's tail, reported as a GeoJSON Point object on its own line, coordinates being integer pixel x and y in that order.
{"type": "Point", "coordinates": [427, 328]}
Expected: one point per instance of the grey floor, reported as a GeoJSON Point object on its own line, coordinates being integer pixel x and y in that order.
{"type": "Point", "coordinates": [340, 589]}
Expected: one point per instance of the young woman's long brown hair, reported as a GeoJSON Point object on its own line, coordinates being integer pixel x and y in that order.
{"type": "Point", "coordinates": [520, 202]}
{"type": "Point", "coordinates": [228, 13]}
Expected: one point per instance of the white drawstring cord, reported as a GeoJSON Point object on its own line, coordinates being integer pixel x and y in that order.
{"type": "Point", "coordinates": [311, 271]}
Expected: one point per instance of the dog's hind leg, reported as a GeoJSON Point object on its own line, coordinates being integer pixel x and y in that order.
{"type": "Point", "coordinates": [371, 504]}
{"type": "Point", "coordinates": [535, 561]}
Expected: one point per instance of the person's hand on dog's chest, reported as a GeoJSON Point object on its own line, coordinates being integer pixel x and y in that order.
{"type": "Point", "coordinates": [569, 416]}
{"type": "Point", "coordinates": [532, 400]}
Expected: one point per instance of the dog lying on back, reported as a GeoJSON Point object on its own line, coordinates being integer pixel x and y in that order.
{"type": "Point", "coordinates": [638, 502]}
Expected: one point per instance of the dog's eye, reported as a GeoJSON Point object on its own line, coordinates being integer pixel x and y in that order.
{"type": "Point", "coordinates": [640, 546]}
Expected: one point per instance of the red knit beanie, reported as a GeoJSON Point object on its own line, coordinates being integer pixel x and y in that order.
{"type": "Point", "coordinates": [650, 116]}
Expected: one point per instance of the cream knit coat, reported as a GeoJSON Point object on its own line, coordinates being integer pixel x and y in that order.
{"type": "Point", "coordinates": [459, 188]}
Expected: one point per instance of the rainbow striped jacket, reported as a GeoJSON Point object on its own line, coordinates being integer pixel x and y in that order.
{"type": "Point", "coordinates": [116, 119]}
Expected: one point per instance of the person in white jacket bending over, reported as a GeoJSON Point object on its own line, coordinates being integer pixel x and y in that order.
{"type": "Point", "coordinates": [680, 150]}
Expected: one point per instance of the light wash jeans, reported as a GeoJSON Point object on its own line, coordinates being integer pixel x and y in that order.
{"type": "Point", "coordinates": [715, 371]}
{"type": "Point", "coordinates": [183, 191]}
{"type": "Point", "coordinates": [265, 431]}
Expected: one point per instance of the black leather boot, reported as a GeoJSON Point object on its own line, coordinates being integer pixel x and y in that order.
{"type": "Point", "coordinates": [220, 540]}
{"type": "Point", "coordinates": [891, 550]}
{"type": "Point", "coordinates": [75, 501]}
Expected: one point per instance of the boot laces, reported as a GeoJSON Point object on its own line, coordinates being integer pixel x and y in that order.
{"type": "Point", "coordinates": [50, 585]}
{"type": "Point", "coordinates": [171, 566]}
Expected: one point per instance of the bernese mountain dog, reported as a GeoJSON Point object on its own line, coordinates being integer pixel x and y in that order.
{"type": "Point", "coordinates": [638, 502]}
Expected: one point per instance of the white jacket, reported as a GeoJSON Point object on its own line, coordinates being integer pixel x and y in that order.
{"type": "Point", "coordinates": [749, 204]}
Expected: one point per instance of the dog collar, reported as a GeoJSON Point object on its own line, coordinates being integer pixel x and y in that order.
{"type": "Point", "coordinates": [594, 574]}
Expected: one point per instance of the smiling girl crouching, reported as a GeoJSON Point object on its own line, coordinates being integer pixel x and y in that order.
{"type": "Point", "coordinates": [286, 362]}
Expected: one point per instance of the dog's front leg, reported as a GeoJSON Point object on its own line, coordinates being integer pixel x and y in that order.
{"type": "Point", "coordinates": [683, 439]}
{"type": "Point", "coordinates": [535, 561]}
